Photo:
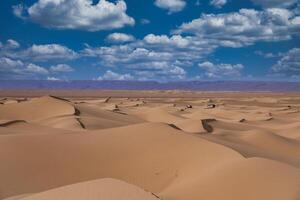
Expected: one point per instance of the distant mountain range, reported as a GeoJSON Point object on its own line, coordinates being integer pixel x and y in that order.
{"type": "Point", "coordinates": [254, 86]}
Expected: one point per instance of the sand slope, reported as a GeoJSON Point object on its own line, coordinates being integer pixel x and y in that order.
{"type": "Point", "coordinates": [175, 148]}
{"type": "Point", "coordinates": [132, 153]}
{"type": "Point", "coordinates": [247, 179]}
{"type": "Point", "coordinates": [109, 189]}
{"type": "Point", "coordinates": [39, 108]}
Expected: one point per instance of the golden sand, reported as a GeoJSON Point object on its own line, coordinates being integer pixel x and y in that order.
{"type": "Point", "coordinates": [148, 145]}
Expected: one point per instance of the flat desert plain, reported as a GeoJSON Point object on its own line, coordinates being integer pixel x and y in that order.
{"type": "Point", "coordinates": [149, 145]}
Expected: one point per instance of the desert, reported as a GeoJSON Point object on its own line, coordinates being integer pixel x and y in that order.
{"type": "Point", "coordinates": [170, 145]}
{"type": "Point", "coordinates": [149, 99]}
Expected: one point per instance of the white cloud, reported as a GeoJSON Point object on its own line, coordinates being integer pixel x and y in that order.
{"type": "Point", "coordinates": [166, 72]}
{"type": "Point", "coordinates": [110, 75]}
{"type": "Point", "coordinates": [289, 64]}
{"type": "Point", "coordinates": [14, 68]}
{"type": "Point", "coordinates": [10, 45]}
{"type": "Point", "coordinates": [19, 11]}
{"type": "Point", "coordinates": [171, 5]}
{"type": "Point", "coordinates": [61, 68]}
{"type": "Point", "coordinates": [47, 52]}
{"type": "Point", "coordinates": [177, 71]}
{"type": "Point", "coordinates": [119, 38]}
{"type": "Point", "coordinates": [76, 14]}
{"type": "Point", "coordinates": [159, 56]}
{"type": "Point", "coordinates": [10, 68]}
{"type": "Point", "coordinates": [266, 55]}
{"type": "Point", "coordinates": [159, 64]}
{"type": "Point", "coordinates": [125, 55]}
{"type": "Point", "coordinates": [33, 68]}
{"type": "Point", "coordinates": [41, 52]}
{"type": "Point", "coordinates": [221, 70]}
{"type": "Point", "coordinates": [10, 64]}
{"type": "Point", "coordinates": [275, 3]}
{"type": "Point", "coordinates": [52, 78]}
{"type": "Point", "coordinates": [175, 40]}
{"type": "Point", "coordinates": [244, 27]}
{"type": "Point", "coordinates": [218, 3]}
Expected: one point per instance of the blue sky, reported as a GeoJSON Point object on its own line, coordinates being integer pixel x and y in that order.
{"type": "Point", "coordinates": [163, 40]}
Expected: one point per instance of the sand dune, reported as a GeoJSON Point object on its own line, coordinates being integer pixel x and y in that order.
{"type": "Point", "coordinates": [95, 117]}
{"type": "Point", "coordinates": [151, 148]}
{"type": "Point", "coordinates": [40, 108]}
{"type": "Point", "coordinates": [102, 154]}
{"type": "Point", "coordinates": [261, 144]}
{"type": "Point", "coordinates": [247, 179]}
{"type": "Point", "coordinates": [159, 115]}
{"type": "Point", "coordinates": [196, 126]}
{"type": "Point", "coordinates": [109, 189]}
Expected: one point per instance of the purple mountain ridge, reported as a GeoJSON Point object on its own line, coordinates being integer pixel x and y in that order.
{"type": "Point", "coordinates": [251, 86]}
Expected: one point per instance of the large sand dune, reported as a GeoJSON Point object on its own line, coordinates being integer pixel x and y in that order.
{"type": "Point", "coordinates": [109, 189]}
{"type": "Point", "coordinates": [206, 147]}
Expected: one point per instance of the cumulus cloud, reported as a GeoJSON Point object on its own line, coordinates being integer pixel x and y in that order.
{"type": "Point", "coordinates": [10, 45]}
{"type": "Point", "coordinates": [136, 57]}
{"type": "Point", "coordinates": [289, 64]}
{"type": "Point", "coordinates": [119, 38]}
{"type": "Point", "coordinates": [161, 56]}
{"type": "Point", "coordinates": [33, 68]}
{"type": "Point", "coordinates": [42, 52]}
{"type": "Point", "coordinates": [76, 14]}
{"type": "Point", "coordinates": [221, 70]}
{"type": "Point", "coordinates": [125, 55]}
{"type": "Point", "coordinates": [218, 3]}
{"type": "Point", "coordinates": [245, 27]}
{"type": "Point", "coordinates": [275, 3]}
{"type": "Point", "coordinates": [46, 52]}
{"type": "Point", "coordinates": [61, 68]}
{"type": "Point", "coordinates": [10, 68]}
{"type": "Point", "coordinates": [51, 78]}
{"type": "Point", "coordinates": [175, 40]}
{"type": "Point", "coordinates": [171, 5]}
{"type": "Point", "coordinates": [110, 75]}
{"type": "Point", "coordinates": [158, 70]}
{"type": "Point", "coordinates": [8, 63]}
{"type": "Point", "coordinates": [169, 73]}
{"type": "Point", "coordinates": [177, 72]}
